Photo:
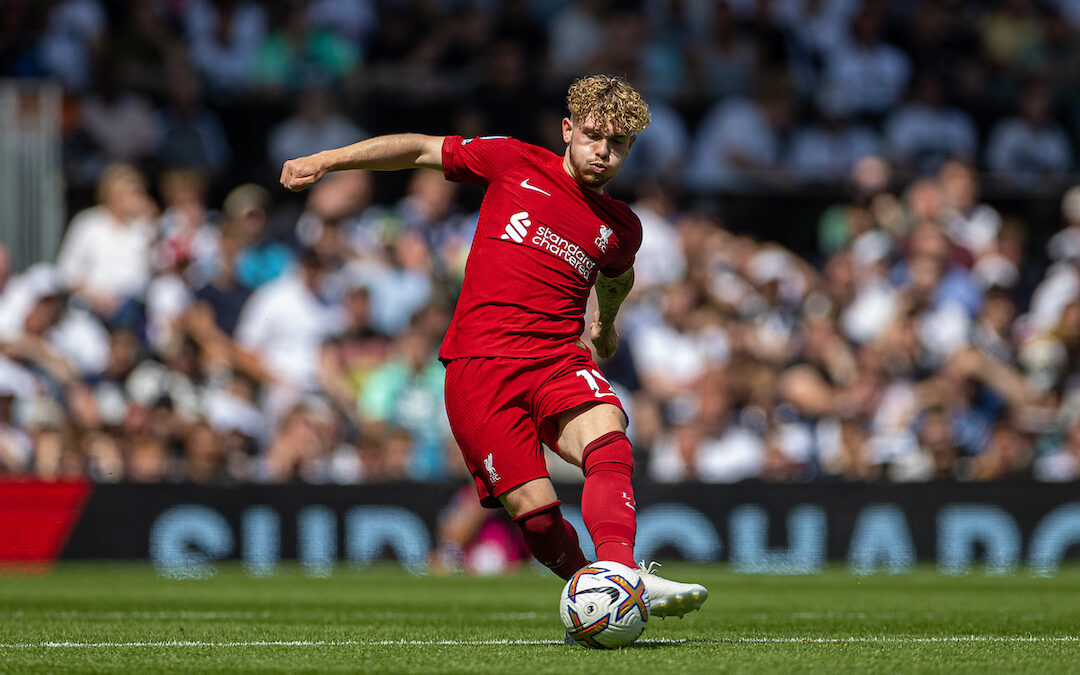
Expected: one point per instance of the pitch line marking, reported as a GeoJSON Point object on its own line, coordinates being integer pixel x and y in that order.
{"type": "Point", "coordinates": [479, 643]}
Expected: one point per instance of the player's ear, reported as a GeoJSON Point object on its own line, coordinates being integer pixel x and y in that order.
{"type": "Point", "coordinates": [633, 137]}
{"type": "Point", "coordinates": [567, 130]}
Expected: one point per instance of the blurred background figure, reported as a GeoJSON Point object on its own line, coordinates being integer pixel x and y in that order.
{"type": "Point", "coordinates": [105, 256]}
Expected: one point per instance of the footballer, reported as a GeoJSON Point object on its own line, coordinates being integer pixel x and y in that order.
{"type": "Point", "coordinates": [516, 373]}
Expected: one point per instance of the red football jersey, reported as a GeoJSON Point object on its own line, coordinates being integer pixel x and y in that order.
{"type": "Point", "coordinates": [539, 244]}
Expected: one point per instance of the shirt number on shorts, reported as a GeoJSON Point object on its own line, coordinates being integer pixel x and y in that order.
{"type": "Point", "coordinates": [591, 377]}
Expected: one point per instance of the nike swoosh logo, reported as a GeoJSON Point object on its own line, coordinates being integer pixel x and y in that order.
{"type": "Point", "coordinates": [525, 184]}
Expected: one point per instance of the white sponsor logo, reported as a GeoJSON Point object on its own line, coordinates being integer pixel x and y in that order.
{"type": "Point", "coordinates": [629, 501]}
{"type": "Point", "coordinates": [525, 184]}
{"type": "Point", "coordinates": [518, 227]}
{"type": "Point", "coordinates": [489, 464]}
{"type": "Point", "coordinates": [563, 248]}
{"type": "Point", "coordinates": [602, 240]}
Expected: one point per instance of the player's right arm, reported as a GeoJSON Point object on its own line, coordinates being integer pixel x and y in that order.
{"type": "Point", "coordinates": [381, 153]}
{"type": "Point", "coordinates": [610, 293]}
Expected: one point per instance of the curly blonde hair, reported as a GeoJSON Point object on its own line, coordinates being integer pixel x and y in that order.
{"type": "Point", "coordinates": [611, 101]}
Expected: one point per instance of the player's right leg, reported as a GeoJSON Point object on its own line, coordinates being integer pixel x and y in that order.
{"type": "Point", "coordinates": [551, 539]}
{"type": "Point", "coordinates": [501, 447]}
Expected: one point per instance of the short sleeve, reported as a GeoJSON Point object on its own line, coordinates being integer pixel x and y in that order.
{"type": "Point", "coordinates": [625, 253]}
{"type": "Point", "coordinates": [619, 264]}
{"type": "Point", "coordinates": [482, 159]}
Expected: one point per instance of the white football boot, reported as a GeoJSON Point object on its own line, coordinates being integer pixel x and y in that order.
{"type": "Point", "coordinates": [670, 598]}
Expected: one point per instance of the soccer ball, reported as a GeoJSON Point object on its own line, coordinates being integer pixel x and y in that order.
{"type": "Point", "coordinates": [604, 605]}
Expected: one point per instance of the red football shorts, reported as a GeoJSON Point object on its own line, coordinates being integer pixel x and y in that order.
{"type": "Point", "coordinates": [501, 409]}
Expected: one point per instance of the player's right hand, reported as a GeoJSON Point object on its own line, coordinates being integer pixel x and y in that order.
{"type": "Point", "coordinates": [301, 173]}
{"type": "Point", "coordinates": [604, 337]}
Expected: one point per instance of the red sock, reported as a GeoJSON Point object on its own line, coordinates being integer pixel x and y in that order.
{"type": "Point", "coordinates": [552, 540]}
{"type": "Point", "coordinates": [607, 502]}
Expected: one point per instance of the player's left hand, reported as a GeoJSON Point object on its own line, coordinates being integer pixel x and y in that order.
{"type": "Point", "coordinates": [604, 337]}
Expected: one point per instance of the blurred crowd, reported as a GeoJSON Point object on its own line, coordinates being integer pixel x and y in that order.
{"type": "Point", "coordinates": [200, 324]}
{"type": "Point", "coordinates": [766, 93]}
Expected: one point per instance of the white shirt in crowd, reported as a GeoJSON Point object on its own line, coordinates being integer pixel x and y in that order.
{"type": "Point", "coordinates": [663, 352]}
{"type": "Point", "coordinates": [286, 324]}
{"type": "Point", "coordinates": [915, 130]}
{"type": "Point", "coordinates": [866, 80]}
{"type": "Point", "coordinates": [1060, 467]}
{"type": "Point", "coordinates": [736, 455]}
{"type": "Point", "coordinates": [296, 137]}
{"type": "Point", "coordinates": [821, 154]}
{"type": "Point", "coordinates": [660, 259]}
{"type": "Point", "coordinates": [736, 127]}
{"type": "Point", "coordinates": [1020, 152]}
{"type": "Point", "coordinates": [103, 256]}
{"type": "Point", "coordinates": [224, 53]}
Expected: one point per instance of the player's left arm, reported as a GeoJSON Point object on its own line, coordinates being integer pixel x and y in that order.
{"type": "Point", "coordinates": [610, 293]}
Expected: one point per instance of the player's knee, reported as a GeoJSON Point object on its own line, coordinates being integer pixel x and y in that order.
{"type": "Point", "coordinates": [610, 452]}
{"type": "Point", "coordinates": [540, 521]}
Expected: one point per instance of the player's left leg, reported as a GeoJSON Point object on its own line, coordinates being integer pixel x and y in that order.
{"type": "Point", "coordinates": [594, 437]}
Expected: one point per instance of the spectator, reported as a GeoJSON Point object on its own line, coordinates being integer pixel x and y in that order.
{"type": "Point", "coordinates": [576, 35]}
{"type": "Point", "coordinates": [315, 126]}
{"type": "Point", "coordinates": [1065, 245]}
{"type": "Point", "coordinates": [223, 297]}
{"type": "Point", "coordinates": [75, 35]}
{"type": "Point", "coordinates": [111, 397]}
{"type": "Point", "coordinates": [1010, 30]}
{"type": "Point", "coordinates": [1055, 59]}
{"type": "Point", "coordinates": [293, 53]}
{"type": "Point", "coordinates": [659, 152]}
{"type": "Point", "coordinates": [968, 223]}
{"type": "Point", "coordinates": [869, 203]}
{"type": "Point", "coordinates": [16, 446]}
{"type": "Point", "coordinates": [192, 135]}
{"type": "Point", "coordinates": [119, 123]}
{"type": "Point", "coordinates": [866, 76]}
{"type": "Point", "coordinates": [660, 260]}
{"type": "Point", "coordinates": [354, 21]}
{"type": "Point", "coordinates": [739, 143]}
{"type": "Point", "coordinates": [1064, 464]}
{"type": "Point", "coordinates": [105, 255]}
{"type": "Point", "coordinates": [344, 200]}
{"type": "Point", "coordinates": [1031, 149]}
{"type": "Point", "coordinates": [260, 259]}
{"type": "Point", "coordinates": [223, 36]}
{"type": "Point", "coordinates": [725, 63]}
{"type": "Point", "coordinates": [348, 360]}
{"type": "Point", "coordinates": [406, 393]}
{"type": "Point", "coordinates": [476, 540]}
{"type": "Point", "coordinates": [825, 150]}
{"type": "Point", "coordinates": [717, 451]}
{"type": "Point", "coordinates": [925, 132]}
{"type": "Point", "coordinates": [204, 455]}
{"type": "Point", "coordinates": [285, 323]}
{"type": "Point", "coordinates": [674, 348]}
{"type": "Point", "coordinates": [188, 229]}
{"type": "Point", "coordinates": [399, 287]}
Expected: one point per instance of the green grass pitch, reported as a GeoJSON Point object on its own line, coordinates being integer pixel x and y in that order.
{"type": "Point", "coordinates": [124, 618]}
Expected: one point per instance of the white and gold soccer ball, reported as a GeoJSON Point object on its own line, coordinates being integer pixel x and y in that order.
{"type": "Point", "coordinates": [604, 605]}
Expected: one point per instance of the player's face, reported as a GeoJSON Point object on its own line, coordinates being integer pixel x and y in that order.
{"type": "Point", "coordinates": [593, 155]}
